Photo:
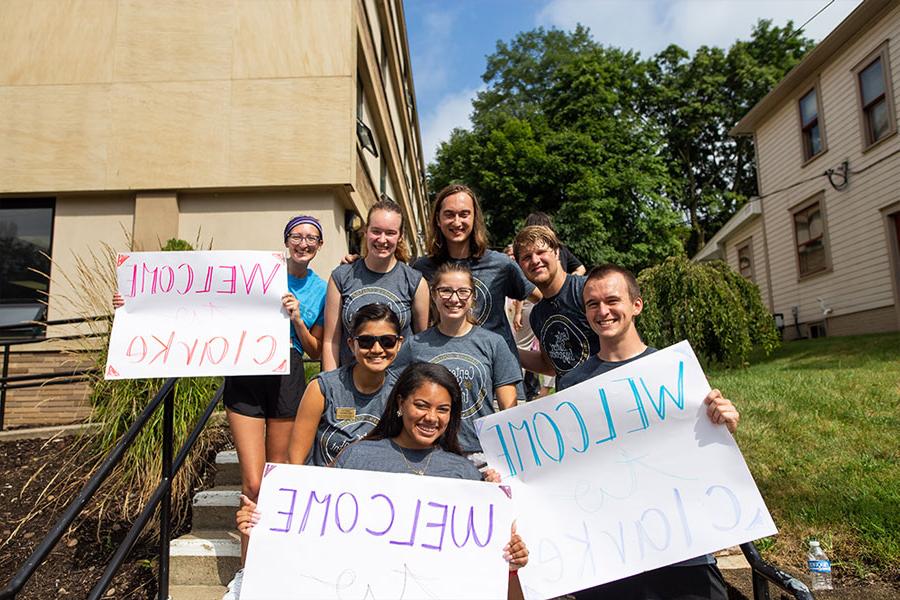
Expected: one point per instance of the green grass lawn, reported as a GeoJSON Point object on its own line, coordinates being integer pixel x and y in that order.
{"type": "Point", "coordinates": [820, 430]}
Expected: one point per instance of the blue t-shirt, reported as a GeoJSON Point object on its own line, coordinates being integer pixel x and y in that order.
{"type": "Point", "coordinates": [359, 286]}
{"type": "Point", "coordinates": [387, 457]}
{"type": "Point", "coordinates": [310, 291]}
{"type": "Point", "coordinates": [480, 361]}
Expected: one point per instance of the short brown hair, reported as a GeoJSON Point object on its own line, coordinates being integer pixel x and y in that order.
{"type": "Point", "coordinates": [478, 239]}
{"type": "Point", "coordinates": [533, 234]}
{"type": "Point", "coordinates": [601, 271]}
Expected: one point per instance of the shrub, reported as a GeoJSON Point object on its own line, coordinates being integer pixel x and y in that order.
{"type": "Point", "coordinates": [708, 304]}
{"type": "Point", "coordinates": [117, 403]}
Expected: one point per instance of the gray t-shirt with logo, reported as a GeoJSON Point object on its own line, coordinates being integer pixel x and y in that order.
{"type": "Point", "coordinates": [562, 329]}
{"type": "Point", "coordinates": [349, 414]}
{"type": "Point", "coordinates": [388, 457]}
{"type": "Point", "coordinates": [359, 286]}
{"type": "Point", "coordinates": [481, 362]}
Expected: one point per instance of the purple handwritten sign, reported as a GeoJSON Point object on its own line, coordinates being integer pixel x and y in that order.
{"type": "Point", "coordinates": [336, 533]}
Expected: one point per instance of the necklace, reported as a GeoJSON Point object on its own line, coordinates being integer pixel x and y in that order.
{"type": "Point", "coordinates": [409, 466]}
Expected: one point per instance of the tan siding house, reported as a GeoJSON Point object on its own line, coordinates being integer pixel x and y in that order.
{"type": "Point", "coordinates": [215, 120]}
{"type": "Point", "coordinates": [828, 159]}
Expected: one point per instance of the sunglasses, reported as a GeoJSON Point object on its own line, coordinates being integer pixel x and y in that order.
{"type": "Point", "coordinates": [385, 341]}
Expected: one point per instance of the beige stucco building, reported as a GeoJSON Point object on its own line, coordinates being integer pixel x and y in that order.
{"type": "Point", "coordinates": [821, 240]}
{"type": "Point", "coordinates": [206, 120]}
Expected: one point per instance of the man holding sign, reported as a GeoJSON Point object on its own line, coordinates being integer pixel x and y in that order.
{"type": "Point", "coordinates": [612, 300]}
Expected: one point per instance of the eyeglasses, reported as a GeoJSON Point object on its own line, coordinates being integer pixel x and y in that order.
{"type": "Point", "coordinates": [311, 240]}
{"type": "Point", "coordinates": [462, 293]}
{"type": "Point", "coordinates": [386, 341]}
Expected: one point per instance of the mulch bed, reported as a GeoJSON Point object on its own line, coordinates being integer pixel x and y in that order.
{"type": "Point", "coordinates": [78, 560]}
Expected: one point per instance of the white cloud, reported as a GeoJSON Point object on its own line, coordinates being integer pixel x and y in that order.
{"type": "Point", "coordinates": [452, 111]}
{"type": "Point", "coordinates": [650, 25]}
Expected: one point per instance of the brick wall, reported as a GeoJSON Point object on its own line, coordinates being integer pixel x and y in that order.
{"type": "Point", "coordinates": [49, 404]}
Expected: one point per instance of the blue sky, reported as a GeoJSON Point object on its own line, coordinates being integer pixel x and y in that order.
{"type": "Point", "coordinates": [449, 39]}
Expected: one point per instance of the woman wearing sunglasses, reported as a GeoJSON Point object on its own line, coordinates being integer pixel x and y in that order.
{"type": "Point", "coordinates": [417, 434]}
{"type": "Point", "coordinates": [343, 405]}
{"type": "Point", "coordinates": [482, 363]}
{"type": "Point", "coordinates": [382, 276]}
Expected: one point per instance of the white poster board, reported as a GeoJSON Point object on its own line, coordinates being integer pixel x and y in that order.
{"type": "Point", "coordinates": [622, 474]}
{"type": "Point", "coordinates": [199, 313]}
{"type": "Point", "coordinates": [340, 533]}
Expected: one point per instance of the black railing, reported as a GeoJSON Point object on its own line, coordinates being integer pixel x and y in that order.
{"type": "Point", "coordinates": [161, 498]}
{"type": "Point", "coordinates": [764, 573]}
{"type": "Point", "coordinates": [14, 382]}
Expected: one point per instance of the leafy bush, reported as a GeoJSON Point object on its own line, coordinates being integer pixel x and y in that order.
{"type": "Point", "coordinates": [717, 310]}
{"type": "Point", "coordinates": [116, 404]}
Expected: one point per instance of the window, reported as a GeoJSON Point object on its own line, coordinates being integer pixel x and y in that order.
{"type": "Point", "coordinates": [26, 232]}
{"type": "Point", "coordinates": [810, 128]}
{"type": "Point", "coordinates": [875, 101]}
{"type": "Point", "coordinates": [745, 260]}
{"type": "Point", "coordinates": [809, 234]}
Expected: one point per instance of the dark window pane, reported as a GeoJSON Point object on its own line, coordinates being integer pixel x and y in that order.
{"type": "Point", "coordinates": [871, 80]}
{"type": "Point", "coordinates": [25, 235]}
{"type": "Point", "coordinates": [802, 226]}
{"type": "Point", "coordinates": [814, 141]}
{"type": "Point", "coordinates": [879, 120]}
{"type": "Point", "coordinates": [812, 257]}
{"type": "Point", "coordinates": [808, 108]}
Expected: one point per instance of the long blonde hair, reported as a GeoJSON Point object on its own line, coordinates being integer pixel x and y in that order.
{"type": "Point", "coordinates": [401, 252]}
{"type": "Point", "coordinates": [478, 239]}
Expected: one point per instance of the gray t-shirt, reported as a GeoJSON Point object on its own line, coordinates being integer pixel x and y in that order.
{"type": "Point", "coordinates": [349, 415]}
{"type": "Point", "coordinates": [562, 329]}
{"type": "Point", "coordinates": [481, 362]}
{"type": "Point", "coordinates": [388, 457]}
{"type": "Point", "coordinates": [594, 366]}
{"type": "Point", "coordinates": [359, 286]}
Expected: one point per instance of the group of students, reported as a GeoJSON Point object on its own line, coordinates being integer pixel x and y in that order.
{"type": "Point", "coordinates": [395, 395]}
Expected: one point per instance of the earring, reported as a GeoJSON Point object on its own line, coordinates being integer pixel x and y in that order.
{"type": "Point", "coordinates": [399, 413]}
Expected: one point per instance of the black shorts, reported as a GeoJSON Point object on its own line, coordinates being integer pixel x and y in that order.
{"type": "Point", "coordinates": [267, 396]}
{"type": "Point", "coordinates": [700, 582]}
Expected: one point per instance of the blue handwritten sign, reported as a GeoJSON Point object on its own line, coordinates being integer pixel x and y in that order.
{"type": "Point", "coordinates": [622, 474]}
{"type": "Point", "coordinates": [336, 533]}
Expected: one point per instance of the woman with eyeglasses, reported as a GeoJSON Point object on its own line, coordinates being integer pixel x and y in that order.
{"type": "Point", "coordinates": [343, 405]}
{"type": "Point", "coordinates": [482, 363]}
{"type": "Point", "coordinates": [261, 408]}
{"type": "Point", "coordinates": [382, 276]}
{"type": "Point", "coordinates": [457, 234]}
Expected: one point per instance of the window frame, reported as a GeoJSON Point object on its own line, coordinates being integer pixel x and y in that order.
{"type": "Point", "coordinates": [879, 53]}
{"type": "Point", "coordinates": [747, 244]}
{"type": "Point", "coordinates": [806, 146]}
{"type": "Point", "coordinates": [817, 199]}
{"type": "Point", "coordinates": [46, 202]}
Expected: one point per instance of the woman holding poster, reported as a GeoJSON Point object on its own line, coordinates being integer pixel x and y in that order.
{"type": "Point", "coordinates": [381, 277]}
{"type": "Point", "coordinates": [416, 434]}
{"type": "Point", "coordinates": [480, 360]}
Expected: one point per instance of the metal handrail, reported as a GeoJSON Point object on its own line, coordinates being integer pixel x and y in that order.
{"type": "Point", "coordinates": [764, 573]}
{"type": "Point", "coordinates": [161, 497]}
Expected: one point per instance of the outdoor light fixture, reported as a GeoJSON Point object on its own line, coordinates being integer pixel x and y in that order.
{"type": "Point", "coordinates": [365, 137]}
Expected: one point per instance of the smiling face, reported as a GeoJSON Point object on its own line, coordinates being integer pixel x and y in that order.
{"type": "Point", "coordinates": [610, 309]}
{"type": "Point", "coordinates": [456, 217]}
{"type": "Point", "coordinates": [453, 294]}
{"type": "Point", "coordinates": [301, 249]}
{"type": "Point", "coordinates": [383, 233]}
{"type": "Point", "coordinates": [426, 414]}
{"type": "Point", "coordinates": [377, 358]}
{"type": "Point", "coordinates": [539, 262]}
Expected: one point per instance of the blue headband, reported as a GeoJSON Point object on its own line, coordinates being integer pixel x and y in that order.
{"type": "Point", "coordinates": [303, 220]}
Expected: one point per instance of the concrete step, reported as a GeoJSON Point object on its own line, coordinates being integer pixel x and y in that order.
{"type": "Point", "coordinates": [228, 470]}
{"type": "Point", "coordinates": [196, 592]}
{"type": "Point", "coordinates": [731, 558]}
{"type": "Point", "coordinates": [215, 508]}
{"type": "Point", "coordinates": [204, 558]}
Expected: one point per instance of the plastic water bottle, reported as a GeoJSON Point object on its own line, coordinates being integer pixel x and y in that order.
{"type": "Point", "coordinates": [819, 567]}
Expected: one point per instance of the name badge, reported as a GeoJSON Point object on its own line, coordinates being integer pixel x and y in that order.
{"type": "Point", "coordinates": [344, 413]}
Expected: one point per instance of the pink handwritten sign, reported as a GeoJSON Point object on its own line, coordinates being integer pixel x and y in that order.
{"type": "Point", "coordinates": [199, 313]}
